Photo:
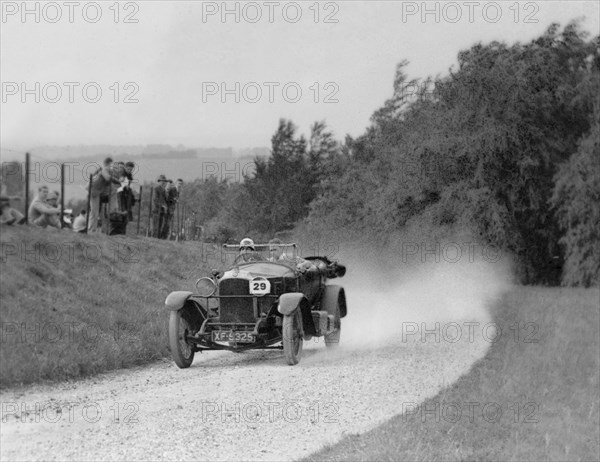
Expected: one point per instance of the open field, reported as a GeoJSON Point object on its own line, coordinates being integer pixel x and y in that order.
{"type": "Point", "coordinates": [535, 395]}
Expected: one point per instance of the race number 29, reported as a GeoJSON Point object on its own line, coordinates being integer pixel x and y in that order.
{"type": "Point", "coordinates": [260, 286]}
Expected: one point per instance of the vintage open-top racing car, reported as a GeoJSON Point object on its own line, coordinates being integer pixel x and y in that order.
{"type": "Point", "coordinates": [259, 302]}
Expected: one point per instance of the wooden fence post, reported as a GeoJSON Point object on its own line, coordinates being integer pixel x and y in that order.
{"type": "Point", "coordinates": [62, 195]}
{"type": "Point", "coordinates": [148, 231]}
{"type": "Point", "coordinates": [89, 198]}
{"type": "Point", "coordinates": [26, 187]}
{"type": "Point", "coordinates": [139, 212]}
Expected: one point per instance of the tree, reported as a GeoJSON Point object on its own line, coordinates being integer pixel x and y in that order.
{"type": "Point", "coordinates": [476, 150]}
{"type": "Point", "coordinates": [577, 201]}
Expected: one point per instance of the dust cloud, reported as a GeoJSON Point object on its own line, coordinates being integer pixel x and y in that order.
{"type": "Point", "coordinates": [389, 301]}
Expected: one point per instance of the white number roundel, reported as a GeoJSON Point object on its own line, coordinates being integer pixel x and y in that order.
{"type": "Point", "coordinates": [260, 286]}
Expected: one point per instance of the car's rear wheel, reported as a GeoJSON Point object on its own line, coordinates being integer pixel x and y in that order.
{"type": "Point", "coordinates": [332, 340]}
{"type": "Point", "coordinates": [181, 350]}
{"type": "Point", "coordinates": [292, 337]}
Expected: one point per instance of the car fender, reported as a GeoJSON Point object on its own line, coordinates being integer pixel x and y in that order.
{"type": "Point", "coordinates": [290, 302]}
{"type": "Point", "coordinates": [176, 300]}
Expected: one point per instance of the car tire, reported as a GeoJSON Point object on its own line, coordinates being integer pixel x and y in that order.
{"type": "Point", "coordinates": [181, 350]}
{"type": "Point", "coordinates": [333, 340]}
{"type": "Point", "coordinates": [292, 337]}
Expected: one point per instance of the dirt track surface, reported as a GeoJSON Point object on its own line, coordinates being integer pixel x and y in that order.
{"type": "Point", "coordinates": [247, 406]}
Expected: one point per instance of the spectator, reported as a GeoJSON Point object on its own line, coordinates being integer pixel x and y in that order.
{"type": "Point", "coordinates": [126, 197]}
{"type": "Point", "coordinates": [8, 215]}
{"type": "Point", "coordinates": [52, 201]}
{"type": "Point", "coordinates": [118, 213]}
{"type": "Point", "coordinates": [159, 207]}
{"type": "Point", "coordinates": [101, 182]}
{"type": "Point", "coordinates": [118, 178]}
{"type": "Point", "coordinates": [79, 222]}
{"type": "Point", "coordinates": [173, 193]}
{"type": "Point", "coordinates": [105, 196]}
{"type": "Point", "coordinates": [68, 218]}
{"type": "Point", "coordinates": [169, 194]}
{"type": "Point", "coordinates": [129, 167]}
{"type": "Point", "coordinates": [40, 212]}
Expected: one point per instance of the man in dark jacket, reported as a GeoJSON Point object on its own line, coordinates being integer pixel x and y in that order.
{"type": "Point", "coordinates": [159, 207]}
{"type": "Point", "coordinates": [126, 197]}
{"type": "Point", "coordinates": [173, 193]}
{"type": "Point", "coordinates": [101, 184]}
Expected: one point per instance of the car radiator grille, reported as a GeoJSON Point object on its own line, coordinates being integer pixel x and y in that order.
{"type": "Point", "coordinates": [236, 309]}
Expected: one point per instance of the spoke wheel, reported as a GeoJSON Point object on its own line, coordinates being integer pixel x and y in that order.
{"type": "Point", "coordinates": [292, 337]}
{"type": "Point", "coordinates": [181, 350]}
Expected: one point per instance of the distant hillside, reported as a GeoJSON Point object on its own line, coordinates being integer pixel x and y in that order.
{"type": "Point", "coordinates": [145, 151]}
{"type": "Point", "coordinates": [189, 164]}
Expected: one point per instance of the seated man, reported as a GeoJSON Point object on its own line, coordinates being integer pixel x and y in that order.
{"type": "Point", "coordinates": [42, 213]}
{"type": "Point", "coordinates": [52, 201]}
{"type": "Point", "coordinates": [278, 256]}
{"type": "Point", "coordinates": [8, 215]}
{"type": "Point", "coordinates": [79, 224]}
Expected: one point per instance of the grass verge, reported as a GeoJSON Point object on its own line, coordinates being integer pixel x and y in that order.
{"type": "Point", "coordinates": [535, 395]}
{"type": "Point", "coordinates": [75, 305]}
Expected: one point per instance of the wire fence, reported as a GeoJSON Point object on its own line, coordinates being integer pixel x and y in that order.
{"type": "Point", "coordinates": [125, 210]}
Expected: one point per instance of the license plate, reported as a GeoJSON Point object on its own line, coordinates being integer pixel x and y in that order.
{"type": "Point", "coordinates": [233, 336]}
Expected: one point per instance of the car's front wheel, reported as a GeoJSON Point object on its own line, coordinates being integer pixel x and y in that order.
{"type": "Point", "coordinates": [181, 350]}
{"type": "Point", "coordinates": [292, 337]}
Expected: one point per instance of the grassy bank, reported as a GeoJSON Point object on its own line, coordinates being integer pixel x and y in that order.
{"type": "Point", "coordinates": [75, 305]}
{"type": "Point", "coordinates": [533, 397]}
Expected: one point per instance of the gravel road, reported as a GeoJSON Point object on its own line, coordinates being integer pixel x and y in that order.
{"type": "Point", "coordinates": [227, 406]}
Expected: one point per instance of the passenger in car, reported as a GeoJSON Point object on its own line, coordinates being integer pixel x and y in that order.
{"type": "Point", "coordinates": [277, 255]}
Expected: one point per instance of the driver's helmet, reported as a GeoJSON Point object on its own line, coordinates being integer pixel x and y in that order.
{"type": "Point", "coordinates": [247, 243]}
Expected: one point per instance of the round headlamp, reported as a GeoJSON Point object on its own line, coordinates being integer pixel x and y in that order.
{"type": "Point", "coordinates": [205, 287]}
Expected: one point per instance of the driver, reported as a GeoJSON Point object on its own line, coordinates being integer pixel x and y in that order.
{"type": "Point", "coordinates": [277, 255]}
{"type": "Point", "coordinates": [246, 250]}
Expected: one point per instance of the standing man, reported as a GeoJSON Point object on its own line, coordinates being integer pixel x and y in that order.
{"type": "Point", "coordinates": [101, 182]}
{"type": "Point", "coordinates": [170, 194]}
{"type": "Point", "coordinates": [118, 177]}
{"type": "Point", "coordinates": [120, 198]}
{"type": "Point", "coordinates": [127, 199]}
{"type": "Point", "coordinates": [159, 207]}
{"type": "Point", "coordinates": [173, 193]}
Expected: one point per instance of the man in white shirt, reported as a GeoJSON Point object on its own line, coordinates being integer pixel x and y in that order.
{"type": "Point", "coordinates": [79, 222]}
{"type": "Point", "coordinates": [40, 212]}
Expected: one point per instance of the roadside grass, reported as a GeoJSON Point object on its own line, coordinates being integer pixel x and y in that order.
{"type": "Point", "coordinates": [547, 390]}
{"type": "Point", "coordinates": [74, 305]}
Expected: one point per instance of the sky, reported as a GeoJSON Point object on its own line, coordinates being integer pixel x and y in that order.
{"type": "Point", "coordinates": [175, 72]}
